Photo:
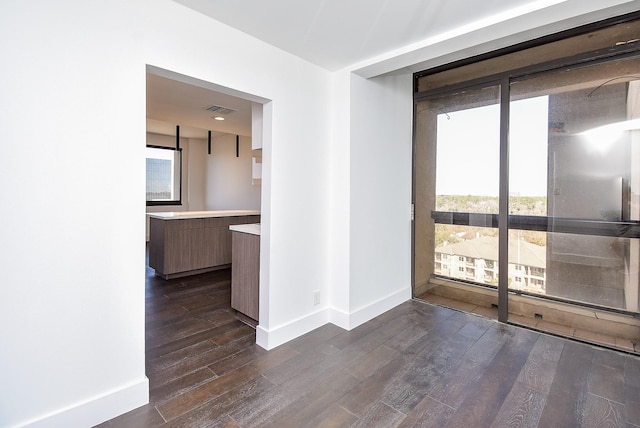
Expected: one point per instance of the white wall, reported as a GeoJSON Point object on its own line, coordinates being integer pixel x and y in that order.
{"type": "Point", "coordinates": [339, 196]}
{"type": "Point", "coordinates": [294, 196]}
{"type": "Point", "coordinates": [72, 138]}
{"type": "Point", "coordinates": [72, 230]}
{"type": "Point", "coordinates": [197, 175]}
{"type": "Point", "coordinates": [380, 202]}
{"type": "Point", "coordinates": [228, 178]}
{"type": "Point", "coordinates": [370, 215]}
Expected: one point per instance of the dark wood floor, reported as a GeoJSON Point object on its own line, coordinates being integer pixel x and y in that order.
{"type": "Point", "coordinates": [416, 365]}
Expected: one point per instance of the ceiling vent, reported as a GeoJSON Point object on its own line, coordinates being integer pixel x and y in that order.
{"type": "Point", "coordinates": [220, 110]}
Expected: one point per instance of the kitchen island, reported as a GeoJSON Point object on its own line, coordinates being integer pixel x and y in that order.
{"type": "Point", "coordinates": [192, 242]}
{"type": "Point", "coordinates": [245, 271]}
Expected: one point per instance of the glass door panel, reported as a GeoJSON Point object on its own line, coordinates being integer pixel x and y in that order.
{"type": "Point", "coordinates": [574, 185]}
{"type": "Point", "coordinates": [560, 175]}
{"type": "Point", "coordinates": [457, 186]}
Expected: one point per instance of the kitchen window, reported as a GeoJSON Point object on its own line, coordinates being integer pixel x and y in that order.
{"type": "Point", "coordinates": [164, 176]}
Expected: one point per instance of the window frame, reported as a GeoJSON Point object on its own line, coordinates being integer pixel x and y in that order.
{"type": "Point", "coordinates": [503, 221]}
{"type": "Point", "coordinates": [172, 202]}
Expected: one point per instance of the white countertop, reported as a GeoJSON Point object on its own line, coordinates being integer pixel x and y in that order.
{"type": "Point", "coordinates": [253, 228]}
{"type": "Point", "coordinates": [176, 215]}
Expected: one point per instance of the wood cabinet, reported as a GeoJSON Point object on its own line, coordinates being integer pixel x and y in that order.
{"type": "Point", "coordinates": [187, 246]}
{"type": "Point", "coordinates": [245, 274]}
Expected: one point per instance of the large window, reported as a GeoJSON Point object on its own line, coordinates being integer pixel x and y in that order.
{"type": "Point", "coordinates": [163, 176]}
{"type": "Point", "coordinates": [527, 173]}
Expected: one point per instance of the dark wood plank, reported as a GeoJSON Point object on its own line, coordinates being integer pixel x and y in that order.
{"type": "Point", "coordinates": [632, 389]}
{"type": "Point", "coordinates": [165, 391]}
{"type": "Point", "coordinates": [566, 398]}
{"type": "Point", "coordinates": [380, 415]}
{"type": "Point", "coordinates": [380, 382]}
{"type": "Point", "coordinates": [371, 390]}
{"type": "Point", "coordinates": [425, 371]}
{"type": "Point", "coordinates": [632, 370]}
{"type": "Point", "coordinates": [346, 338]}
{"type": "Point", "coordinates": [176, 345]}
{"type": "Point", "coordinates": [145, 416]}
{"type": "Point", "coordinates": [215, 412]}
{"type": "Point", "coordinates": [201, 394]}
{"type": "Point", "coordinates": [312, 401]}
{"type": "Point", "coordinates": [236, 360]}
{"type": "Point", "coordinates": [415, 365]}
{"type": "Point", "coordinates": [412, 333]}
{"type": "Point", "coordinates": [355, 347]}
{"type": "Point", "coordinates": [484, 400]}
{"type": "Point", "coordinates": [607, 358]}
{"type": "Point", "coordinates": [310, 341]}
{"type": "Point", "coordinates": [358, 346]}
{"type": "Point", "coordinates": [180, 330]}
{"type": "Point", "coordinates": [234, 334]}
{"type": "Point", "coordinates": [217, 316]}
{"type": "Point", "coordinates": [606, 382]}
{"type": "Point", "coordinates": [600, 412]}
{"type": "Point", "coordinates": [300, 364]}
{"type": "Point", "coordinates": [299, 384]}
{"type": "Point", "coordinates": [334, 416]}
{"type": "Point", "coordinates": [452, 390]}
{"type": "Point", "coordinates": [172, 358]}
{"type": "Point", "coordinates": [156, 350]}
{"type": "Point", "coordinates": [371, 362]}
{"type": "Point", "coordinates": [632, 404]}
{"type": "Point", "coordinates": [540, 368]}
{"type": "Point", "coordinates": [197, 361]}
{"type": "Point", "coordinates": [160, 316]}
{"type": "Point", "coordinates": [429, 413]}
{"type": "Point", "coordinates": [522, 408]}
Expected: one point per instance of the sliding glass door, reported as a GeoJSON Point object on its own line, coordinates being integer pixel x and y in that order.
{"type": "Point", "coordinates": [458, 196]}
{"type": "Point", "coordinates": [527, 194]}
{"type": "Point", "coordinates": [573, 181]}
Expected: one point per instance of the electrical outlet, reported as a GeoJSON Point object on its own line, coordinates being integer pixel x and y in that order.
{"type": "Point", "coordinates": [316, 297]}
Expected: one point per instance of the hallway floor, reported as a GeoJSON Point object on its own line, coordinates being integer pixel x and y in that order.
{"type": "Point", "coordinates": [416, 365]}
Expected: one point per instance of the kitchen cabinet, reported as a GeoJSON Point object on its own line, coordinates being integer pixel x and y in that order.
{"type": "Point", "coordinates": [245, 270]}
{"type": "Point", "coordinates": [188, 243]}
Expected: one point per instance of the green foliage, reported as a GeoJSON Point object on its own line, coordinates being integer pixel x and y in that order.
{"type": "Point", "coordinates": [444, 234]}
{"type": "Point", "coordinates": [467, 203]}
{"type": "Point", "coordinates": [519, 205]}
{"type": "Point", "coordinates": [528, 205]}
{"type": "Point", "coordinates": [538, 238]}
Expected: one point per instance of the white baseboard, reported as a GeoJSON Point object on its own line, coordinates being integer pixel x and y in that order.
{"type": "Point", "coordinates": [339, 318]}
{"type": "Point", "coordinates": [97, 410]}
{"type": "Point", "coordinates": [368, 312]}
{"type": "Point", "coordinates": [271, 338]}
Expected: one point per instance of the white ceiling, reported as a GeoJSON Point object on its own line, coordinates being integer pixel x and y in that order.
{"type": "Point", "coordinates": [336, 33]}
{"type": "Point", "coordinates": [172, 102]}
{"type": "Point", "coordinates": [329, 33]}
